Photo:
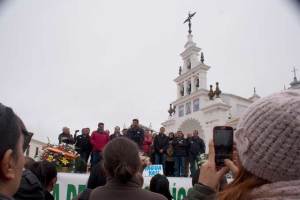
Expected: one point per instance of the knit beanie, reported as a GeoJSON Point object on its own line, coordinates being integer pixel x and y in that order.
{"type": "Point", "coordinates": [268, 137]}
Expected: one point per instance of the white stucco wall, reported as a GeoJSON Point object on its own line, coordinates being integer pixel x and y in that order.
{"type": "Point", "coordinates": [34, 146]}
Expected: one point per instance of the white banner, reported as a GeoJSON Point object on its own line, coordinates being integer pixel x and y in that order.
{"type": "Point", "coordinates": [70, 184]}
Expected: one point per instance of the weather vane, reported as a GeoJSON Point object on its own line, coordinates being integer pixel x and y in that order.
{"type": "Point", "coordinates": [188, 19]}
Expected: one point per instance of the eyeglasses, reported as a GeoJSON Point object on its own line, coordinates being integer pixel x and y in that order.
{"type": "Point", "coordinates": [27, 138]}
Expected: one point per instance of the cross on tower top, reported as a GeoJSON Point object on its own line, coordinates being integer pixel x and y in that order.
{"type": "Point", "coordinates": [295, 75]}
{"type": "Point", "coordinates": [188, 19]}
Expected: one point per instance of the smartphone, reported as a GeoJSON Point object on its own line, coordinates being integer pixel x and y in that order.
{"type": "Point", "coordinates": [223, 143]}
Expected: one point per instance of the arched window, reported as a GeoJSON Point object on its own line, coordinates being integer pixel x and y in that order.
{"type": "Point", "coordinates": [181, 111]}
{"type": "Point", "coordinates": [188, 109]}
{"type": "Point", "coordinates": [196, 105]}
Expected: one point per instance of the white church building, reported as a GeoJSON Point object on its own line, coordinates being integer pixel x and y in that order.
{"type": "Point", "coordinates": [194, 109]}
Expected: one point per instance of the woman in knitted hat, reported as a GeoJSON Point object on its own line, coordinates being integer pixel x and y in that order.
{"type": "Point", "coordinates": [268, 146]}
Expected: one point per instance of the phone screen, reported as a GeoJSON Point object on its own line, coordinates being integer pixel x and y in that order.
{"type": "Point", "coordinates": [223, 142]}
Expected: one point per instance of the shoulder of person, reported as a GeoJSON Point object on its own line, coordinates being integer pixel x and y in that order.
{"type": "Point", "coordinates": [31, 178]}
{"type": "Point", "coordinates": [94, 193]}
{"type": "Point", "coordinates": [79, 136]}
{"type": "Point", "coordinates": [153, 195]}
{"type": "Point", "coordinates": [141, 130]}
{"type": "Point", "coordinates": [2, 197]}
{"type": "Point", "coordinates": [48, 196]}
{"type": "Point", "coordinates": [85, 195]}
{"type": "Point", "coordinates": [200, 191]}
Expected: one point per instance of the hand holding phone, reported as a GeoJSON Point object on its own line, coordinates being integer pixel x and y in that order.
{"type": "Point", "coordinates": [223, 144]}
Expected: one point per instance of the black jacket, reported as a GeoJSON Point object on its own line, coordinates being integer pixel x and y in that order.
{"type": "Point", "coordinates": [180, 146]}
{"type": "Point", "coordinates": [2, 197]}
{"type": "Point", "coordinates": [161, 141]}
{"type": "Point", "coordinates": [48, 196]}
{"type": "Point", "coordinates": [196, 146]}
{"type": "Point", "coordinates": [30, 187]}
{"type": "Point", "coordinates": [66, 138]}
{"type": "Point", "coordinates": [83, 143]}
{"type": "Point", "coordinates": [115, 135]}
{"type": "Point", "coordinates": [137, 135]}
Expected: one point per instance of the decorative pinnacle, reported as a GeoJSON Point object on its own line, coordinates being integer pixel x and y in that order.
{"type": "Point", "coordinates": [295, 74]}
{"type": "Point", "coordinates": [188, 19]}
{"type": "Point", "coordinates": [202, 57]}
{"type": "Point", "coordinates": [217, 91]}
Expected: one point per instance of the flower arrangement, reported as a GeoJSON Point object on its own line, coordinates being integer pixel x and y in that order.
{"type": "Point", "coordinates": [63, 156]}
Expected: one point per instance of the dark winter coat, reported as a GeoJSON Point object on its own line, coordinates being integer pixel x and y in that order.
{"type": "Point", "coordinates": [180, 147]}
{"type": "Point", "coordinates": [30, 187]}
{"type": "Point", "coordinates": [83, 143]}
{"type": "Point", "coordinates": [136, 135]}
{"type": "Point", "coordinates": [115, 135]}
{"type": "Point", "coordinates": [66, 138]}
{"type": "Point", "coordinates": [161, 141]}
{"type": "Point", "coordinates": [196, 146]}
{"type": "Point", "coordinates": [2, 197]}
{"type": "Point", "coordinates": [48, 196]}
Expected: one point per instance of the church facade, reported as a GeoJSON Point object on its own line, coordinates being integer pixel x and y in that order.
{"type": "Point", "coordinates": [198, 107]}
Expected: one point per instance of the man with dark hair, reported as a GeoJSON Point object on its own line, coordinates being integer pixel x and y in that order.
{"type": "Point", "coordinates": [99, 139]}
{"type": "Point", "coordinates": [83, 144]}
{"type": "Point", "coordinates": [196, 146]}
{"type": "Point", "coordinates": [136, 133]}
{"type": "Point", "coordinates": [30, 187]}
{"type": "Point", "coordinates": [66, 137]}
{"type": "Point", "coordinates": [161, 143]}
{"type": "Point", "coordinates": [180, 152]}
{"type": "Point", "coordinates": [47, 175]}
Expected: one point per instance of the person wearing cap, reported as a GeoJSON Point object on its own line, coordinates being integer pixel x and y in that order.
{"type": "Point", "coordinates": [268, 148]}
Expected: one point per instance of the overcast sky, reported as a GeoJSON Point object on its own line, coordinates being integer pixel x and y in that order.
{"type": "Point", "coordinates": [76, 63]}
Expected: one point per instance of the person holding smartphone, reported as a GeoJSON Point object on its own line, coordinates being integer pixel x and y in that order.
{"type": "Point", "coordinates": [267, 162]}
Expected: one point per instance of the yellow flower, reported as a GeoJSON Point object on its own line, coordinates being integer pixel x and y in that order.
{"type": "Point", "coordinates": [64, 161]}
{"type": "Point", "coordinates": [50, 158]}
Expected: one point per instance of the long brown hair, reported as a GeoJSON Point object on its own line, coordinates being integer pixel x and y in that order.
{"type": "Point", "coordinates": [241, 186]}
{"type": "Point", "coordinates": [121, 159]}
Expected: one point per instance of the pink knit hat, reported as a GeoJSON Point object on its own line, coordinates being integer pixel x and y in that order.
{"type": "Point", "coordinates": [268, 137]}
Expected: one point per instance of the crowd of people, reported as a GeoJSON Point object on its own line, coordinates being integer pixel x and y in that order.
{"type": "Point", "coordinates": [178, 155]}
{"type": "Point", "coordinates": [265, 161]}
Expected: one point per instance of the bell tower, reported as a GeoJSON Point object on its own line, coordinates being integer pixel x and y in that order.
{"type": "Point", "coordinates": [193, 74]}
